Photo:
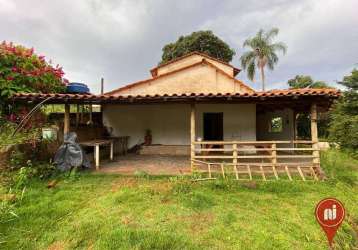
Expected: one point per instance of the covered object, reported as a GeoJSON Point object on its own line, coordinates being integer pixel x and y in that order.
{"type": "Point", "coordinates": [70, 154]}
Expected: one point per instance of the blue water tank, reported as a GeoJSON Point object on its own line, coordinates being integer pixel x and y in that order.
{"type": "Point", "coordinates": [77, 87]}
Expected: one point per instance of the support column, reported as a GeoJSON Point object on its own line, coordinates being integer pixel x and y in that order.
{"type": "Point", "coordinates": [90, 114]}
{"type": "Point", "coordinates": [314, 133]}
{"type": "Point", "coordinates": [77, 115]}
{"type": "Point", "coordinates": [66, 122]}
{"type": "Point", "coordinates": [192, 134]}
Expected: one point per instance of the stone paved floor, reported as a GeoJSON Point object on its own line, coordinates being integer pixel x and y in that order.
{"type": "Point", "coordinates": [151, 164]}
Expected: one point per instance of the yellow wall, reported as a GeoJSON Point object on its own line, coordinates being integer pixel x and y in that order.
{"type": "Point", "coordinates": [198, 79]}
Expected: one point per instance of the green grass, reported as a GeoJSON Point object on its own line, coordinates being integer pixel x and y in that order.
{"type": "Point", "coordinates": [114, 212]}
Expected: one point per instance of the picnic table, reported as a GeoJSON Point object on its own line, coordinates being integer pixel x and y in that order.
{"type": "Point", "coordinates": [96, 143]}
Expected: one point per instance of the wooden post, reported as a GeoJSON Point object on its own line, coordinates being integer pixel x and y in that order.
{"type": "Point", "coordinates": [274, 154]}
{"type": "Point", "coordinates": [66, 122]}
{"type": "Point", "coordinates": [97, 156]}
{"type": "Point", "coordinates": [192, 134]}
{"type": "Point", "coordinates": [111, 151]}
{"type": "Point", "coordinates": [82, 114]}
{"type": "Point", "coordinates": [234, 153]}
{"type": "Point", "coordinates": [314, 133]}
{"type": "Point", "coordinates": [77, 115]}
{"type": "Point", "coordinates": [90, 114]}
{"type": "Point", "coordinates": [295, 127]}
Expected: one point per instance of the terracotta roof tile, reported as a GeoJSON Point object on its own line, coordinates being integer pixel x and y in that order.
{"type": "Point", "coordinates": [62, 98]}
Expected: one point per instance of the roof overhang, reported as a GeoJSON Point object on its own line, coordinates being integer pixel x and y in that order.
{"type": "Point", "coordinates": [323, 97]}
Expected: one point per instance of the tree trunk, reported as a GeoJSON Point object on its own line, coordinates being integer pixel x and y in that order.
{"type": "Point", "coordinates": [262, 77]}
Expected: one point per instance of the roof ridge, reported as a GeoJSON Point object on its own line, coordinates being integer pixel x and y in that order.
{"type": "Point", "coordinates": [194, 53]}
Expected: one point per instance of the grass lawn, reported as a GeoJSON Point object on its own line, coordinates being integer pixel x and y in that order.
{"type": "Point", "coordinates": [94, 211]}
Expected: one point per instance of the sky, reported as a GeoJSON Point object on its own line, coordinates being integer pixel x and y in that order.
{"type": "Point", "coordinates": [122, 40]}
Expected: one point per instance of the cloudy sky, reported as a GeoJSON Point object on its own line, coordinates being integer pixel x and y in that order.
{"type": "Point", "coordinates": [121, 40]}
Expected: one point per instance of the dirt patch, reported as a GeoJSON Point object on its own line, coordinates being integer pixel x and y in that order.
{"type": "Point", "coordinates": [150, 164]}
{"type": "Point", "coordinates": [198, 222]}
{"type": "Point", "coordinates": [161, 188]}
{"type": "Point", "coordinates": [57, 245]}
{"type": "Point", "coordinates": [124, 182]}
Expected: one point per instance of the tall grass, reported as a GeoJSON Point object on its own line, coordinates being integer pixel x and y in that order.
{"type": "Point", "coordinates": [97, 211]}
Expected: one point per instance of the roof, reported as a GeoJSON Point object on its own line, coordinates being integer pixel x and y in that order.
{"type": "Point", "coordinates": [325, 96]}
{"type": "Point", "coordinates": [153, 71]}
{"type": "Point", "coordinates": [178, 70]}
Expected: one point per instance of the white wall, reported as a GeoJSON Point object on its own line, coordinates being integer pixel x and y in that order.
{"type": "Point", "coordinates": [263, 122]}
{"type": "Point", "coordinates": [170, 123]}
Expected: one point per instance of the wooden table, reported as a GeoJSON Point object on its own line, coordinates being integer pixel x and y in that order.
{"type": "Point", "coordinates": [96, 143]}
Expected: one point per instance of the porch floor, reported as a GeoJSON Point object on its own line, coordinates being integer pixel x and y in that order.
{"type": "Point", "coordinates": [151, 164]}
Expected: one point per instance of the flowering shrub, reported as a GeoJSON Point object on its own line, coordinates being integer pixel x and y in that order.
{"type": "Point", "coordinates": [23, 71]}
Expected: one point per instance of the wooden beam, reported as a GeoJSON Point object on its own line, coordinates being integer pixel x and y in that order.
{"type": "Point", "coordinates": [234, 153]}
{"type": "Point", "coordinates": [192, 134]}
{"type": "Point", "coordinates": [77, 115]}
{"type": "Point", "coordinates": [66, 121]}
{"type": "Point", "coordinates": [314, 130]}
{"type": "Point", "coordinates": [314, 133]}
{"type": "Point", "coordinates": [222, 170]}
{"type": "Point", "coordinates": [288, 173]}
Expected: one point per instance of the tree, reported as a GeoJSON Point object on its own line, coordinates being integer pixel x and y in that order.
{"type": "Point", "coordinates": [23, 71]}
{"type": "Point", "coordinates": [344, 116]}
{"type": "Point", "coordinates": [262, 53]}
{"type": "Point", "coordinates": [201, 41]}
{"type": "Point", "coordinates": [302, 81]}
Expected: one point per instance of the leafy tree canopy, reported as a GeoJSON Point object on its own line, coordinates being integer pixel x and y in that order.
{"type": "Point", "coordinates": [344, 117]}
{"type": "Point", "coordinates": [23, 71]}
{"type": "Point", "coordinates": [302, 81]}
{"type": "Point", "coordinates": [201, 41]}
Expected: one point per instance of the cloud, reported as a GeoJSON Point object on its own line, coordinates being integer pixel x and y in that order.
{"type": "Point", "coordinates": [122, 40]}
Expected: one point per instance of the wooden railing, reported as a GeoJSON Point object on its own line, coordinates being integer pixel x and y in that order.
{"type": "Point", "coordinates": [257, 157]}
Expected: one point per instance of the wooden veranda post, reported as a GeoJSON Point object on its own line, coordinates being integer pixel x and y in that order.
{"type": "Point", "coordinates": [192, 135]}
{"type": "Point", "coordinates": [314, 133]}
{"type": "Point", "coordinates": [66, 122]}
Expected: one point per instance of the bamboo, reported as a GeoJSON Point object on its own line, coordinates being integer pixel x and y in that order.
{"type": "Point", "coordinates": [234, 153]}
{"type": "Point", "coordinates": [251, 142]}
{"type": "Point", "coordinates": [301, 174]}
{"type": "Point", "coordinates": [288, 173]}
{"type": "Point", "coordinates": [314, 173]}
{"type": "Point", "coordinates": [249, 171]}
{"type": "Point", "coordinates": [209, 170]}
{"type": "Point", "coordinates": [275, 172]}
{"type": "Point", "coordinates": [236, 172]}
{"type": "Point", "coordinates": [222, 170]}
{"type": "Point", "coordinates": [263, 173]}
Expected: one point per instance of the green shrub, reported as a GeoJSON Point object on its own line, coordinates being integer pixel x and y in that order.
{"type": "Point", "coordinates": [344, 117]}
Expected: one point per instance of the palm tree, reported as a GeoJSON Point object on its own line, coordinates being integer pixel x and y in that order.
{"type": "Point", "coordinates": [262, 53]}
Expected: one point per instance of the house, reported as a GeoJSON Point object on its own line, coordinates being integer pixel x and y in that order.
{"type": "Point", "coordinates": [195, 106]}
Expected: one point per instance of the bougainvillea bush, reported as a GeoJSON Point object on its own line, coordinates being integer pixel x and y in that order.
{"type": "Point", "coordinates": [21, 70]}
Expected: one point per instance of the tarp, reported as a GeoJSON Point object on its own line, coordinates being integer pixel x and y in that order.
{"type": "Point", "coordinates": [70, 154]}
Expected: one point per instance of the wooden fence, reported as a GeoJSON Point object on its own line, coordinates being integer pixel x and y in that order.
{"type": "Point", "coordinates": [265, 158]}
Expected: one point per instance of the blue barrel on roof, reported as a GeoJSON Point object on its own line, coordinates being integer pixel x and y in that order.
{"type": "Point", "coordinates": [77, 87]}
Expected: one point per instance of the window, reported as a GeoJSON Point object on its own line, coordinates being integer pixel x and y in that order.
{"type": "Point", "coordinates": [275, 125]}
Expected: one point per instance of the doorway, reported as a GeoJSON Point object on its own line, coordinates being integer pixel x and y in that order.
{"type": "Point", "coordinates": [213, 126]}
